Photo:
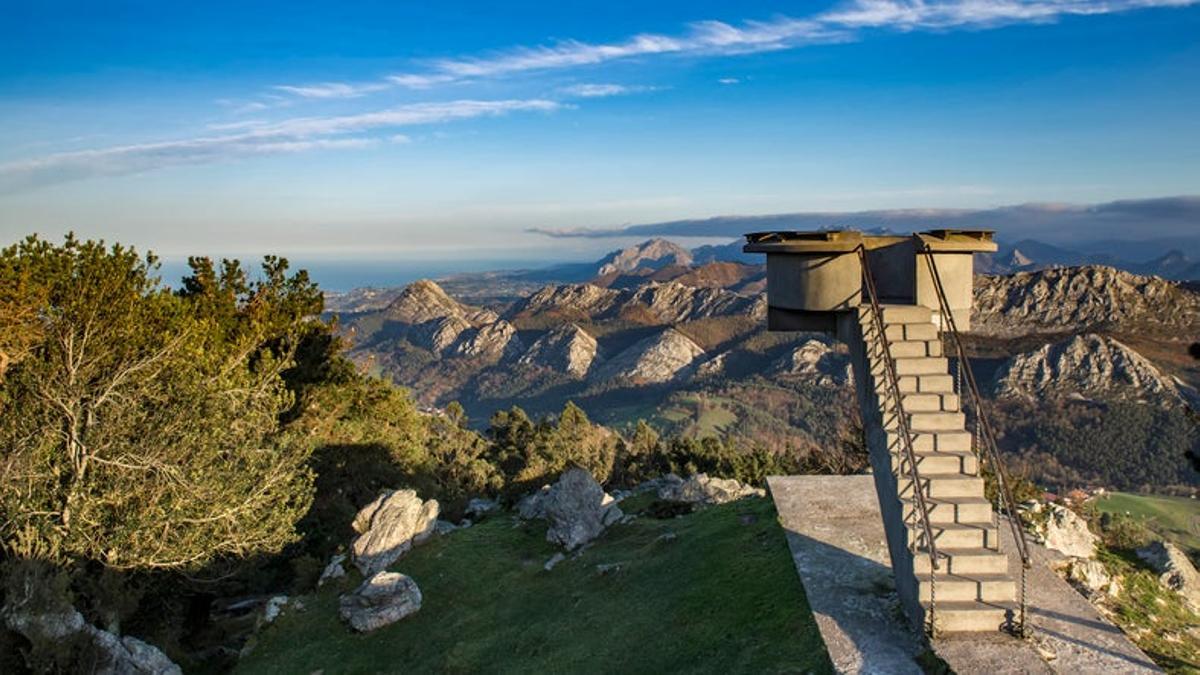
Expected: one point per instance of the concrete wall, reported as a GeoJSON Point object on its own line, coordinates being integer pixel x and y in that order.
{"type": "Point", "coordinates": [858, 335]}
{"type": "Point", "coordinates": [957, 271]}
{"type": "Point", "coordinates": [814, 282]}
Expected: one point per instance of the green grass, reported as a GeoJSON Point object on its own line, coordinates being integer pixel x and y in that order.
{"type": "Point", "coordinates": [1175, 518]}
{"type": "Point", "coordinates": [1153, 616]}
{"type": "Point", "coordinates": [722, 596]}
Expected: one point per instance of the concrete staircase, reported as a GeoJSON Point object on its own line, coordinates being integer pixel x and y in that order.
{"type": "Point", "coordinates": [972, 588]}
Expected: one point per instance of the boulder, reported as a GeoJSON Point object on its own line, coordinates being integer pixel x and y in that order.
{"type": "Point", "coordinates": [480, 506]}
{"type": "Point", "coordinates": [1067, 533]}
{"type": "Point", "coordinates": [1090, 577]}
{"type": "Point", "coordinates": [114, 655]}
{"type": "Point", "coordinates": [274, 608]}
{"type": "Point", "coordinates": [1175, 570]}
{"type": "Point", "coordinates": [383, 599]}
{"type": "Point", "coordinates": [389, 526]}
{"type": "Point", "coordinates": [333, 570]}
{"type": "Point", "coordinates": [701, 489]}
{"type": "Point", "coordinates": [576, 506]}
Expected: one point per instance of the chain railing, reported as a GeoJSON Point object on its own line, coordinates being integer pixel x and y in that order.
{"type": "Point", "coordinates": [909, 458]}
{"type": "Point", "coordinates": [984, 444]}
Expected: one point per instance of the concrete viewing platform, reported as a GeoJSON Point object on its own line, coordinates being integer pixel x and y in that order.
{"type": "Point", "coordinates": [836, 535]}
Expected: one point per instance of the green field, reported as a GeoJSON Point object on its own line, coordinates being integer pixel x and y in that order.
{"type": "Point", "coordinates": [719, 596]}
{"type": "Point", "coordinates": [1175, 518]}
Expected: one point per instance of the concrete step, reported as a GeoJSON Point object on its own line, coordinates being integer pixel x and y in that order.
{"type": "Point", "coordinates": [898, 314]}
{"type": "Point", "coordinates": [941, 462]}
{"type": "Point", "coordinates": [931, 441]}
{"type": "Point", "coordinates": [955, 535]}
{"type": "Point", "coordinates": [923, 383]}
{"type": "Point", "coordinates": [952, 510]}
{"type": "Point", "coordinates": [924, 365]}
{"type": "Point", "coordinates": [972, 617]}
{"type": "Point", "coordinates": [994, 588]}
{"type": "Point", "coordinates": [942, 485]}
{"type": "Point", "coordinates": [936, 421]}
{"type": "Point", "coordinates": [964, 561]}
{"type": "Point", "coordinates": [931, 403]}
{"type": "Point", "coordinates": [908, 331]}
{"type": "Point", "coordinates": [907, 349]}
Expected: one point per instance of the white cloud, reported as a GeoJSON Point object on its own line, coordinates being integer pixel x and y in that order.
{"type": "Point", "coordinates": [729, 80]}
{"type": "Point", "coordinates": [255, 138]}
{"type": "Point", "coordinates": [332, 89]}
{"type": "Point", "coordinates": [714, 38]}
{"type": "Point", "coordinates": [603, 90]}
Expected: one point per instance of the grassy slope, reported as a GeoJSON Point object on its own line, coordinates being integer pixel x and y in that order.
{"type": "Point", "coordinates": [720, 597]}
{"type": "Point", "coordinates": [1176, 518]}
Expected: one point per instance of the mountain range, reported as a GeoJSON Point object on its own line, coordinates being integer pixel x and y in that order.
{"type": "Point", "coordinates": [677, 337]}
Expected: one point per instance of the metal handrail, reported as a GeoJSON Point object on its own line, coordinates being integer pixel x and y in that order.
{"type": "Point", "coordinates": [906, 436]}
{"type": "Point", "coordinates": [982, 424]}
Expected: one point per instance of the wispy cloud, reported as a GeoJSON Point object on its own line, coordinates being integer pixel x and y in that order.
{"type": "Point", "coordinates": [848, 22]}
{"type": "Point", "coordinates": [254, 139]}
{"type": "Point", "coordinates": [332, 89]}
{"type": "Point", "coordinates": [728, 80]}
{"type": "Point", "coordinates": [603, 90]}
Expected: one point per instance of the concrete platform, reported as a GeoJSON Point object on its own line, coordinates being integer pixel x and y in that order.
{"type": "Point", "coordinates": [836, 537]}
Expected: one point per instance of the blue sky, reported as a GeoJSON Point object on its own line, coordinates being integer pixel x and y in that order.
{"type": "Point", "coordinates": [434, 130]}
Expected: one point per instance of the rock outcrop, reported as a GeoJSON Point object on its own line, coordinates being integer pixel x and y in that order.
{"type": "Point", "coordinates": [1175, 570]}
{"type": "Point", "coordinates": [702, 489]}
{"type": "Point", "coordinates": [1090, 577]}
{"type": "Point", "coordinates": [576, 507]}
{"type": "Point", "coordinates": [815, 361]}
{"type": "Point", "coordinates": [424, 301]}
{"type": "Point", "coordinates": [383, 599]}
{"type": "Point", "coordinates": [333, 570]}
{"type": "Point", "coordinates": [654, 253]}
{"type": "Point", "coordinates": [1080, 298]}
{"type": "Point", "coordinates": [1091, 365]}
{"type": "Point", "coordinates": [439, 335]}
{"type": "Point", "coordinates": [388, 528]}
{"type": "Point", "coordinates": [490, 341]}
{"type": "Point", "coordinates": [567, 301]}
{"type": "Point", "coordinates": [566, 349]}
{"type": "Point", "coordinates": [671, 303]}
{"type": "Point", "coordinates": [657, 359]}
{"type": "Point", "coordinates": [1067, 533]}
{"type": "Point", "coordinates": [114, 655]}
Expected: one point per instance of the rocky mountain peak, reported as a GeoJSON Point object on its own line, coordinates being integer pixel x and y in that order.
{"type": "Point", "coordinates": [1089, 297]}
{"type": "Point", "coordinates": [653, 253]}
{"type": "Point", "coordinates": [817, 362]}
{"type": "Point", "coordinates": [424, 301]}
{"type": "Point", "coordinates": [660, 358]}
{"type": "Point", "coordinates": [1089, 365]}
{"type": "Point", "coordinates": [567, 348]}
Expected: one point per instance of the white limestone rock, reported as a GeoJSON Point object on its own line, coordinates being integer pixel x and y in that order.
{"type": "Point", "coordinates": [817, 362]}
{"type": "Point", "coordinates": [1088, 365]}
{"type": "Point", "coordinates": [652, 253]}
{"type": "Point", "coordinates": [661, 358]}
{"type": "Point", "coordinates": [1175, 571]}
{"type": "Point", "coordinates": [496, 340]}
{"type": "Point", "coordinates": [389, 526]}
{"type": "Point", "coordinates": [1067, 533]}
{"type": "Point", "coordinates": [383, 599]}
{"type": "Point", "coordinates": [567, 349]}
{"type": "Point", "coordinates": [334, 570]}
{"type": "Point", "coordinates": [701, 489]}
{"type": "Point", "coordinates": [1090, 577]}
{"type": "Point", "coordinates": [1088, 297]}
{"type": "Point", "coordinates": [576, 507]}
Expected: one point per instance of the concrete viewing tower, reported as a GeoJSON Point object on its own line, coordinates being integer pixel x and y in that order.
{"type": "Point", "coordinates": [892, 299]}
